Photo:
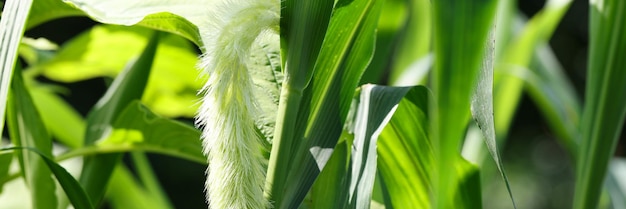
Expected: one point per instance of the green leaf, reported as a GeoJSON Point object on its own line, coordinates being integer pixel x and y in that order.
{"type": "Point", "coordinates": [27, 130]}
{"type": "Point", "coordinates": [54, 109]}
{"type": "Point", "coordinates": [47, 10]}
{"type": "Point", "coordinates": [392, 19]}
{"type": "Point", "coordinates": [406, 159]}
{"type": "Point", "coordinates": [302, 26]}
{"type": "Point", "coordinates": [343, 58]}
{"type": "Point", "coordinates": [138, 127]}
{"type": "Point", "coordinates": [330, 187]}
{"type": "Point", "coordinates": [127, 87]}
{"type": "Point", "coordinates": [180, 18]}
{"type": "Point", "coordinates": [11, 30]}
{"type": "Point", "coordinates": [482, 106]}
{"type": "Point", "coordinates": [508, 86]}
{"type": "Point", "coordinates": [104, 50]}
{"type": "Point", "coordinates": [404, 146]}
{"type": "Point", "coordinates": [605, 107]}
{"type": "Point", "coordinates": [457, 62]}
{"type": "Point", "coordinates": [375, 106]}
{"type": "Point", "coordinates": [5, 162]}
{"type": "Point", "coordinates": [72, 188]}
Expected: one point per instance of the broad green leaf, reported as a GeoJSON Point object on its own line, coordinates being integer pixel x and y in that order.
{"type": "Point", "coordinates": [508, 86]}
{"type": "Point", "coordinates": [456, 69]}
{"type": "Point", "coordinates": [482, 106]}
{"type": "Point", "coordinates": [47, 10]}
{"type": "Point", "coordinates": [406, 159]}
{"type": "Point", "coordinates": [344, 55]}
{"type": "Point", "coordinates": [404, 146]}
{"type": "Point", "coordinates": [54, 109]}
{"type": "Point", "coordinates": [181, 18]}
{"type": "Point", "coordinates": [5, 162]}
{"type": "Point", "coordinates": [468, 193]}
{"type": "Point", "coordinates": [27, 130]}
{"type": "Point", "coordinates": [374, 108]}
{"type": "Point", "coordinates": [331, 186]}
{"type": "Point", "coordinates": [605, 106]}
{"type": "Point", "coordinates": [127, 86]}
{"type": "Point", "coordinates": [104, 50]}
{"type": "Point", "coordinates": [72, 188]}
{"type": "Point", "coordinates": [138, 128]}
{"type": "Point", "coordinates": [302, 26]}
{"type": "Point", "coordinates": [11, 30]}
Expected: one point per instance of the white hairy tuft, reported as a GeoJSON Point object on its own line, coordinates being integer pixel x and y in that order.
{"type": "Point", "coordinates": [236, 175]}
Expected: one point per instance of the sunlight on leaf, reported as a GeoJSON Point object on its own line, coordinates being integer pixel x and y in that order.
{"type": "Point", "coordinates": [105, 50]}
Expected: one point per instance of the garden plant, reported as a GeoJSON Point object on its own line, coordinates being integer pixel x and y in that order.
{"type": "Point", "coordinates": [301, 104]}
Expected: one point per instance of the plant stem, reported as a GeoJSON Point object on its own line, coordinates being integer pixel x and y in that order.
{"type": "Point", "coordinates": [282, 143]}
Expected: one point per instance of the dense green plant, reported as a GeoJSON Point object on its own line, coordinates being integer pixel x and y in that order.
{"type": "Point", "coordinates": [285, 119]}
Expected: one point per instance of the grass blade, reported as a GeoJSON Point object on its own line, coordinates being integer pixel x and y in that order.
{"type": "Point", "coordinates": [508, 87]}
{"type": "Point", "coordinates": [54, 109]}
{"type": "Point", "coordinates": [330, 187]}
{"type": "Point", "coordinates": [12, 26]}
{"type": "Point", "coordinates": [126, 87]}
{"type": "Point", "coordinates": [404, 145]}
{"type": "Point", "coordinates": [72, 188]}
{"type": "Point", "coordinates": [303, 25]}
{"type": "Point", "coordinates": [349, 184]}
{"type": "Point", "coordinates": [5, 162]}
{"type": "Point", "coordinates": [482, 107]}
{"type": "Point", "coordinates": [343, 58]}
{"type": "Point", "coordinates": [605, 107]}
{"type": "Point", "coordinates": [457, 62]}
{"type": "Point", "coordinates": [376, 105]}
{"type": "Point", "coordinates": [27, 130]}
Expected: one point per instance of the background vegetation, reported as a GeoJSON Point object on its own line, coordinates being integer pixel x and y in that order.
{"type": "Point", "coordinates": [75, 68]}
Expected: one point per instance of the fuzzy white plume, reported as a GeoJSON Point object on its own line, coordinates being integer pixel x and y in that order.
{"type": "Point", "coordinates": [236, 175]}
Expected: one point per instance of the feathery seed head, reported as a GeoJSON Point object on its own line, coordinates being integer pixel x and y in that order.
{"type": "Point", "coordinates": [236, 175]}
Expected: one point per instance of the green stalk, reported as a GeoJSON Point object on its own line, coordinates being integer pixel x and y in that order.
{"type": "Point", "coordinates": [282, 143]}
{"type": "Point", "coordinates": [303, 25]}
{"type": "Point", "coordinates": [605, 105]}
